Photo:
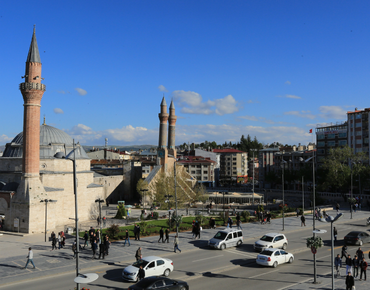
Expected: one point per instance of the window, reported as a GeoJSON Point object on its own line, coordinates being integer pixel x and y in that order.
{"type": "Point", "coordinates": [205, 178]}
{"type": "Point", "coordinates": [234, 163]}
{"type": "Point", "coordinates": [193, 172]}
{"type": "Point", "coordinates": [229, 236]}
{"type": "Point", "coordinates": [168, 282]}
{"type": "Point", "coordinates": [151, 265]}
{"type": "Point", "coordinates": [342, 135]}
{"type": "Point", "coordinates": [234, 168]}
{"type": "Point", "coordinates": [358, 141]}
{"type": "Point", "coordinates": [358, 125]}
{"type": "Point", "coordinates": [205, 172]}
{"type": "Point", "coordinates": [277, 253]}
{"type": "Point", "coordinates": [234, 173]}
{"type": "Point", "coordinates": [358, 133]}
{"type": "Point", "coordinates": [331, 143]}
{"type": "Point", "coordinates": [234, 159]}
{"type": "Point", "coordinates": [158, 284]}
{"type": "Point", "coordinates": [366, 140]}
{"type": "Point", "coordinates": [321, 144]}
{"type": "Point", "coordinates": [160, 262]}
{"type": "Point", "coordinates": [342, 142]}
{"type": "Point", "coordinates": [320, 136]}
{"type": "Point", "coordinates": [240, 234]}
{"type": "Point", "coordinates": [331, 136]}
{"type": "Point", "coordinates": [358, 116]}
{"type": "Point", "coordinates": [235, 235]}
{"type": "Point", "coordinates": [320, 151]}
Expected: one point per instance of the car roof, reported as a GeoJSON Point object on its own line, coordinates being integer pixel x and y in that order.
{"type": "Point", "coordinates": [272, 249]}
{"type": "Point", "coordinates": [150, 258]}
{"type": "Point", "coordinates": [273, 234]}
{"type": "Point", "coordinates": [355, 232]}
{"type": "Point", "coordinates": [226, 230]}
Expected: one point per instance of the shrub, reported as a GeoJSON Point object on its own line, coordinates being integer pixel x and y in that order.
{"type": "Point", "coordinates": [260, 208]}
{"type": "Point", "coordinates": [155, 215]}
{"type": "Point", "coordinates": [113, 231]}
{"type": "Point", "coordinates": [245, 215]}
{"type": "Point", "coordinates": [121, 212]}
{"type": "Point", "coordinates": [143, 226]}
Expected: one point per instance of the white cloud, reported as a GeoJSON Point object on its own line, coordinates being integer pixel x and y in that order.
{"type": "Point", "coordinates": [249, 118]}
{"type": "Point", "coordinates": [62, 92]}
{"type": "Point", "coordinates": [162, 88]}
{"type": "Point", "coordinates": [287, 82]}
{"type": "Point", "coordinates": [261, 119]}
{"type": "Point", "coordinates": [80, 91]}
{"type": "Point", "coordinates": [333, 112]}
{"type": "Point", "coordinates": [5, 139]}
{"type": "Point", "coordinates": [58, 111]}
{"type": "Point", "coordinates": [192, 103]}
{"type": "Point", "coordinates": [252, 102]}
{"type": "Point", "coordinates": [290, 97]}
{"type": "Point", "coordinates": [301, 114]}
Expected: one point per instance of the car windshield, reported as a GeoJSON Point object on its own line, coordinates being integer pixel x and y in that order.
{"type": "Point", "coordinates": [353, 234]}
{"type": "Point", "coordinates": [267, 238]}
{"type": "Point", "coordinates": [220, 236]}
{"type": "Point", "coordinates": [139, 263]}
{"type": "Point", "coordinates": [266, 253]}
{"type": "Point", "coordinates": [145, 283]}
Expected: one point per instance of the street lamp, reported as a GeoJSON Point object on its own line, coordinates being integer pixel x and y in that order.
{"type": "Point", "coordinates": [100, 201]}
{"type": "Point", "coordinates": [332, 220]}
{"type": "Point", "coordinates": [282, 174]}
{"type": "Point", "coordinates": [168, 196]}
{"type": "Point", "coordinates": [253, 150]}
{"type": "Point", "coordinates": [46, 212]}
{"type": "Point", "coordinates": [177, 217]}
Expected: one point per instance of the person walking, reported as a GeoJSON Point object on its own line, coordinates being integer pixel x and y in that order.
{"type": "Point", "coordinates": [53, 241]}
{"type": "Point", "coordinates": [303, 221]}
{"type": "Point", "coordinates": [344, 252]}
{"type": "Point", "coordinates": [141, 274]}
{"type": "Point", "coordinates": [335, 235]}
{"type": "Point", "coordinates": [161, 235]}
{"type": "Point", "coordinates": [127, 238]}
{"type": "Point", "coordinates": [363, 267]}
{"type": "Point", "coordinates": [59, 241]}
{"type": "Point", "coordinates": [338, 264]}
{"type": "Point", "coordinates": [63, 239]}
{"type": "Point", "coordinates": [360, 254]}
{"type": "Point", "coordinates": [349, 264]}
{"type": "Point", "coordinates": [167, 233]}
{"type": "Point", "coordinates": [30, 258]}
{"type": "Point", "coordinates": [106, 245]}
{"type": "Point", "coordinates": [86, 238]}
{"type": "Point", "coordinates": [355, 264]}
{"type": "Point", "coordinates": [94, 248]}
{"type": "Point", "coordinates": [138, 254]}
{"type": "Point", "coordinates": [101, 250]}
{"type": "Point", "coordinates": [98, 220]}
{"type": "Point", "coordinates": [74, 249]}
{"type": "Point", "coordinates": [337, 207]}
{"type": "Point", "coordinates": [176, 244]}
{"type": "Point", "coordinates": [350, 281]}
{"type": "Point", "coordinates": [138, 232]}
{"type": "Point", "coordinates": [297, 210]}
{"type": "Point", "coordinates": [238, 221]}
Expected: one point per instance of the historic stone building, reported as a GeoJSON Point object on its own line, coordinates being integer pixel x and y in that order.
{"type": "Point", "coordinates": [32, 168]}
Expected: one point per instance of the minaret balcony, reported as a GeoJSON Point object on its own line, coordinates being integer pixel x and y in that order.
{"type": "Point", "coordinates": [32, 86]}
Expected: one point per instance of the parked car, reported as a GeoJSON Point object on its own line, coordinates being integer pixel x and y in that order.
{"type": "Point", "coordinates": [153, 266]}
{"type": "Point", "coordinates": [271, 240]}
{"type": "Point", "coordinates": [273, 257]}
{"type": "Point", "coordinates": [356, 238]}
{"type": "Point", "coordinates": [159, 283]}
{"type": "Point", "coordinates": [226, 238]}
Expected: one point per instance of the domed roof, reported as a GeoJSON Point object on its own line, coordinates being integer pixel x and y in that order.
{"type": "Point", "coordinates": [52, 141]}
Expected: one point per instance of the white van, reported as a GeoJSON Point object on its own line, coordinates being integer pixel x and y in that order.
{"type": "Point", "coordinates": [226, 238]}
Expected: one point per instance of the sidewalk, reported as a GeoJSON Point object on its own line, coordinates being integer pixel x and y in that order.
{"type": "Point", "coordinates": [14, 250]}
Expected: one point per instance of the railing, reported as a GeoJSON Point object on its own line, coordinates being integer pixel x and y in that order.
{"type": "Point", "coordinates": [32, 86]}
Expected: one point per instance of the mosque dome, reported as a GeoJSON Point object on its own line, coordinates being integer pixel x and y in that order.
{"type": "Point", "coordinates": [52, 141]}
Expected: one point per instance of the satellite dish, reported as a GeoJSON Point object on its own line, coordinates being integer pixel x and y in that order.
{"type": "Point", "coordinates": [86, 278]}
{"type": "Point", "coordinates": [319, 231]}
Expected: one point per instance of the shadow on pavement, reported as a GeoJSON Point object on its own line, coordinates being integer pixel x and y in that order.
{"type": "Point", "coordinates": [212, 275]}
{"type": "Point", "coordinates": [114, 275]}
{"type": "Point", "coordinates": [249, 263]}
{"type": "Point", "coordinates": [201, 244]}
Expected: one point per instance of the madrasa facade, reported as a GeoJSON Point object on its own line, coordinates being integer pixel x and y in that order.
{"type": "Point", "coordinates": [33, 170]}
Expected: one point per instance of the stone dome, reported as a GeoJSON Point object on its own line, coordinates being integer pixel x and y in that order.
{"type": "Point", "coordinates": [52, 141]}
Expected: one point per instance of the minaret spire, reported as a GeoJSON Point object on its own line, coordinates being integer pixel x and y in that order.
{"type": "Point", "coordinates": [171, 130]}
{"type": "Point", "coordinates": [33, 52]}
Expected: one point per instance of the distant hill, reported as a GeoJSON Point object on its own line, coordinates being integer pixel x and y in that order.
{"type": "Point", "coordinates": [121, 148]}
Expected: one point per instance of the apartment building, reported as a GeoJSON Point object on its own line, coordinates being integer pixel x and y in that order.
{"type": "Point", "coordinates": [358, 130]}
{"type": "Point", "coordinates": [233, 164]}
{"type": "Point", "coordinates": [201, 168]}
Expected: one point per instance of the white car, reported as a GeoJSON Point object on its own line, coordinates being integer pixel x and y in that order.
{"type": "Point", "coordinates": [153, 266]}
{"type": "Point", "coordinates": [273, 257]}
{"type": "Point", "coordinates": [271, 240]}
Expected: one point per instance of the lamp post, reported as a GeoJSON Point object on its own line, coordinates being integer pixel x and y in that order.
{"type": "Point", "coordinates": [100, 201]}
{"type": "Point", "coordinates": [282, 176]}
{"type": "Point", "coordinates": [168, 196]}
{"type": "Point", "coordinates": [46, 212]}
{"type": "Point", "coordinates": [332, 220]}
{"type": "Point", "coordinates": [253, 150]}
{"type": "Point", "coordinates": [350, 204]}
{"type": "Point", "coordinates": [177, 217]}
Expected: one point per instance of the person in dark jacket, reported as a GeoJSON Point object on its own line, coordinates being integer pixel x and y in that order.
{"type": "Point", "coordinates": [127, 239]}
{"type": "Point", "coordinates": [141, 274]}
{"type": "Point", "coordinates": [94, 248]}
{"type": "Point", "coordinates": [360, 254]}
{"type": "Point", "coordinates": [363, 266]}
{"type": "Point", "coordinates": [303, 221]}
{"type": "Point", "coordinates": [167, 233]}
{"type": "Point", "coordinates": [101, 250]}
{"type": "Point", "coordinates": [355, 265]}
{"type": "Point", "coordinates": [349, 264]}
{"type": "Point", "coordinates": [161, 235]}
{"type": "Point", "coordinates": [106, 245]}
{"type": "Point", "coordinates": [53, 241]}
{"type": "Point", "coordinates": [138, 254]}
{"type": "Point", "coordinates": [350, 281]}
{"type": "Point", "coordinates": [335, 235]}
{"type": "Point", "coordinates": [338, 264]}
{"type": "Point", "coordinates": [86, 238]}
{"type": "Point", "coordinates": [344, 252]}
{"type": "Point", "coordinates": [135, 232]}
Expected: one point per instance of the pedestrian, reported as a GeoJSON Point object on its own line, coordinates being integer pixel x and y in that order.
{"type": "Point", "coordinates": [337, 207]}
{"type": "Point", "coordinates": [92, 239]}
{"type": "Point", "coordinates": [141, 274]}
{"type": "Point", "coordinates": [59, 241]}
{"type": "Point", "coordinates": [138, 254]}
{"type": "Point", "coordinates": [363, 267]}
{"type": "Point", "coordinates": [360, 254]}
{"type": "Point", "coordinates": [193, 229]}
{"type": "Point", "coordinates": [238, 221]}
{"type": "Point", "coordinates": [53, 241]}
{"type": "Point", "coordinates": [74, 249]}
{"type": "Point", "coordinates": [161, 235]}
{"type": "Point", "coordinates": [176, 244]}
{"type": "Point", "coordinates": [335, 235]}
{"type": "Point", "coordinates": [138, 232]}
{"type": "Point", "coordinates": [338, 264]}
{"type": "Point", "coordinates": [86, 238]}
{"type": "Point", "coordinates": [104, 221]}
{"type": "Point", "coordinates": [350, 281]}
{"type": "Point", "coordinates": [197, 230]}
{"type": "Point", "coordinates": [297, 212]}
{"type": "Point", "coordinates": [344, 252]}
{"type": "Point", "coordinates": [98, 220]}
{"type": "Point", "coordinates": [349, 264]}
{"type": "Point", "coordinates": [167, 233]}
{"type": "Point", "coordinates": [135, 232]}
{"type": "Point", "coordinates": [63, 239]}
{"type": "Point", "coordinates": [303, 221]}
{"type": "Point", "coordinates": [355, 264]}
{"type": "Point", "coordinates": [30, 258]}
{"type": "Point", "coordinates": [106, 245]}
{"type": "Point", "coordinates": [101, 250]}
{"type": "Point", "coordinates": [94, 248]}
{"type": "Point", "coordinates": [127, 238]}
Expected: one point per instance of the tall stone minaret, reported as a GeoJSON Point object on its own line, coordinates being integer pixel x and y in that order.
{"type": "Point", "coordinates": [171, 130]}
{"type": "Point", "coordinates": [27, 206]}
{"type": "Point", "coordinates": [163, 117]}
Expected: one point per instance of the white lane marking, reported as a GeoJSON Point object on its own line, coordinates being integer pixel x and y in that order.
{"type": "Point", "coordinates": [207, 258]}
{"type": "Point", "coordinates": [246, 254]}
{"type": "Point", "coordinates": [262, 274]}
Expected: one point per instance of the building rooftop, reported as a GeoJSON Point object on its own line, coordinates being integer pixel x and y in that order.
{"type": "Point", "coordinates": [227, 150]}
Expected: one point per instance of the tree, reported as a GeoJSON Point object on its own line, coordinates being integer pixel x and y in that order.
{"type": "Point", "coordinates": [141, 187]}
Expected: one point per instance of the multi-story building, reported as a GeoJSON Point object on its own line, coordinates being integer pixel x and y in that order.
{"type": "Point", "coordinates": [233, 164]}
{"type": "Point", "coordinates": [201, 168]}
{"type": "Point", "coordinates": [328, 137]}
{"type": "Point", "coordinates": [266, 164]}
{"type": "Point", "coordinates": [358, 130]}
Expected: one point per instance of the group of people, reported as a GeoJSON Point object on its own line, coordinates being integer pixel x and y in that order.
{"type": "Point", "coordinates": [162, 233]}
{"type": "Point", "coordinates": [96, 242]}
{"type": "Point", "coordinates": [263, 216]}
{"type": "Point", "coordinates": [58, 242]}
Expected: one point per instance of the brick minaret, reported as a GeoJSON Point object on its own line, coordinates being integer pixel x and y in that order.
{"type": "Point", "coordinates": [32, 91]}
{"type": "Point", "coordinates": [163, 117]}
{"type": "Point", "coordinates": [171, 130]}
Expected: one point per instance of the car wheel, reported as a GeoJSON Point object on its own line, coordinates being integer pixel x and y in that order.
{"type": "Point", "coordinates": [182, 288]}
{"type": "Point", "coordinates": [223, 247]}
{"type": "Point", "coordinates": [166, 272]}
{"type": "Point", "coordinates": [284, 246]}
{"type": "Point", "coordinates": [238, 243]}
{"type": "Point", "coordinates": [275, 264]}
{"type": "Point", "coordinates": [360, 243]}
{"type": "Point", "coordinates": [290, 260]}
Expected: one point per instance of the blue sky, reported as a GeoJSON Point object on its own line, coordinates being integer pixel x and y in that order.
{"type": "Point", "coordinates": [270, 69]}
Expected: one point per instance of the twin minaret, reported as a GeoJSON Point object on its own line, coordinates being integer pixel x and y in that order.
{"type": "Point", "coordinates": [163, 118]}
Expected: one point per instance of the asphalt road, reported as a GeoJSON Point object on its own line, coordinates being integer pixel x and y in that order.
{"type": "Point", "coordinates": [234, 268]}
